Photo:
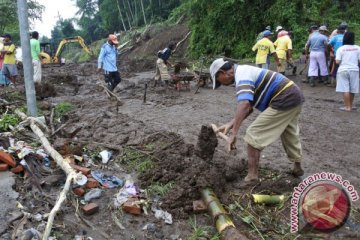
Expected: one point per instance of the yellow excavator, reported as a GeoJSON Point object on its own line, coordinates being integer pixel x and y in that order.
{"type": "Point", "coordinates": [47, 54]}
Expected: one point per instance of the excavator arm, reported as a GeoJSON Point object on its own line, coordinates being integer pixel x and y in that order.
{"type": "Point", "coordinates": [65, 41]}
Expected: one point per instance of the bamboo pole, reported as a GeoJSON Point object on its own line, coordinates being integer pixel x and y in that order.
{"type": "Point", "coordinates": [65, 166]}
{"type": "Point", "coordinates": [268, 199]}
{"type": "Point", "coordinates": [222, 220]}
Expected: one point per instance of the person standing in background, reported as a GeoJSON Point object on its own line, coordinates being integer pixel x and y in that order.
{"type": "Point", "coordinates": [264, 47]}
{"type": "Point", "coordinates": [9, 66]}
{"type": "Point", "coordinates": [317, 46]}
{"type": "Point", "coordinates": [35, 55]}
{"type": "Point", "coordinates": [162, 64]}
{"type": "Point", "coordinates": [107, 62]}
{"type": "Point", "coordinates": [348, 58]}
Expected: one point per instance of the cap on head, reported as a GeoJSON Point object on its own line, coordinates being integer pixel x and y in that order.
{"type": "Point", "coordinates": [313, 27]}
{"type": "Point", "coordinates": [278, 28]}
{"type": "Point", "coordinates": [341, 27]}
{"type": "Point", "coordinates": [268, 28]}
{"type": "Point", "coordinates": [344, 24]}
{"type": "Point", "coordinates": [323, 28]}
{"type": "Point", "coordinates": [7, 36]}
{"type": "Point", "coordinates": [113, 39]}
{"type": "Point", "coordinates": [267, 33]}
{"type": "Point", "coordinates": [214, 68]}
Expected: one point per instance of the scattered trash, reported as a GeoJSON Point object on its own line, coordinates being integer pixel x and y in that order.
{"type": "Point", "coordinates": [80, 179]}
{"type": "Point", "coordinates": [107, 181]}
{"type": "Point", "coordinates": [31, 234]}
{"type": "Point", "coordinates": [127, 191]}
{"type": "Point", "coordinates": [46, 162]}
{"type": "Point", "coordinates": [161, 214]}
{"type": "Point", "coordinates": [19, 205]}
{"type": "Point", "coordinates": [37, 217]}
{"type": "Point", "coordinates": [105, 156]}
{"type": "Point", "coordinates": [92, 194]}
{"type": "Point", "coordinates": [78, 158]}
{"type": "Point", "coordinates": [150, 227]}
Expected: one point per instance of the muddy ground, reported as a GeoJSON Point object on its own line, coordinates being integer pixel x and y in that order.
{"type": "Point", "coordinates": [156, 143]}
{"type": "Point", "coordinates": [166, 129]}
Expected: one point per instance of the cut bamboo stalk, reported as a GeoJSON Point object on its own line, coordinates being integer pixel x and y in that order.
{"type": "Point", "coordinates": [64, 165]}
{"type": "Point", "coordinates": [221, 218]}
{"type": "Point", "coordinates": [268, 199]}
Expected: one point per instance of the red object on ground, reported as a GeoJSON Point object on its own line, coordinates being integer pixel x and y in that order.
{"type": "Point", "coordinates": [132, 206]}
{"type": "Point", "coordinates": [92, 183]}
{"type": "Point", "coordinates": [90, 208]}
{"type": "Point", "coordinates": [84, 170]}
{"type": "Point", "coordinates": [18, 169]}
{"type": "Point", "coordinates": [7, 158]}
{"type": "Point", "coordinates": [3, 167]}
{"type": "Point", "coordinates": [79, 191]}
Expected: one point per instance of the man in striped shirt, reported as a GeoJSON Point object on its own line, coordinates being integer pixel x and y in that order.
{"type": "Point", "coordinates": [277, 98]}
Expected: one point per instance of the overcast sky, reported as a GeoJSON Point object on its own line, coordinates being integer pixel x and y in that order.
{"type": "Point", "coordinates": [66, 8]}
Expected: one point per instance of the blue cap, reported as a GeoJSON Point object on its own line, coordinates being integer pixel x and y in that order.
{"type": "Point", "coordinates": [267, 33]}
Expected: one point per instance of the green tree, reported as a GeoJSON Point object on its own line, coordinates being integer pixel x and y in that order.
{"type": "Point", "coordinates": [8, 17]}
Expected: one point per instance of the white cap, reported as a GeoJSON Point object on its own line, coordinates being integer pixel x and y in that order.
{"type": "Point", "coordinates": [278, 28]}
{"type": "Point", "coordinates": [323, 28]}
{"type": "Point", "coordinates": [214, 68]}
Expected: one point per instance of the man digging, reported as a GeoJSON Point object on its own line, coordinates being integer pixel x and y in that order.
{"type": "Point", "coordinates": [277, 98]}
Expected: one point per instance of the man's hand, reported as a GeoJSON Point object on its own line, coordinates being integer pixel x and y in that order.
{"type": "Point", "coordinates": [231, 143]}
{"type": "Point", "coordinates": [98, 70]}
{"type": "Point", "coordinates": [225, 128]}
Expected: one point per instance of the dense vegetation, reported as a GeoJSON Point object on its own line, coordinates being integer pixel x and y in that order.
{"type": "Point", "coordinates": [216, 26]}
{"type": "Point", "coordinates": [9, 19]}
{"type": "Point", "coordinates": [235, 24]}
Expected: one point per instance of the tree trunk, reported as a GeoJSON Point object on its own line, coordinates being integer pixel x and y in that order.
{"type": "Point", "coordinates": [121, 16]}
{"type": "Point", "coordinates": [131, 12]}
{"type": "Point", "coordinates": [143, 11]}
{"type": "Point", "coordinates": [136, 13]}
{"type": "Point", "coordinates": [128, 18]}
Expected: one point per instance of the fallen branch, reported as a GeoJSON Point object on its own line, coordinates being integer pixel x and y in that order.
{"type": "Point", "coordinates": [112, 94]}
{"type": "Point", "coordinates": [70, 172]}
{"type": "Point", "coordinates": [181, 41]}
{"type": "Point", "coordinates": [52, 128]}
{"type": "Point", "coordinates": [61, 127]}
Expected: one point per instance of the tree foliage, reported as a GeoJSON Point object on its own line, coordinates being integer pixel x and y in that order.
{"type": "Point", "coordinates": [97, 18]}
{"type": "Point", "coordinates": [235, 24]}
{"type": "Point", "coordinates": [9, 18]}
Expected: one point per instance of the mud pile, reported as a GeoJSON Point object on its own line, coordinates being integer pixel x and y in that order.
{"type": "Point", "coordinates": [191, 168]}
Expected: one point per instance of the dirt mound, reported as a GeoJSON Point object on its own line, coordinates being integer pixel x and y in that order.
{"type": "Point", "coordinates": [45, 90]}
{"type": "Point", "coordinates": [142, 56]}
{"type": "Point", "coordinates": [190, 168]}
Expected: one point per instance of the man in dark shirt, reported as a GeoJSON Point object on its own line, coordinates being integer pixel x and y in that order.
{"type": "Point", "coordinates": [277, 98]}
{"type": "Point", "coordinates": [162, 64]}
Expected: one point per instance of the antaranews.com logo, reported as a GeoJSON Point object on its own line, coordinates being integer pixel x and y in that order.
{"type": "Point", "coordinates": [322, 201]}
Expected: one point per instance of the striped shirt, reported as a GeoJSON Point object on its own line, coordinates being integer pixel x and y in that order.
{"type": "Point", "coordinates": [263, 88]}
